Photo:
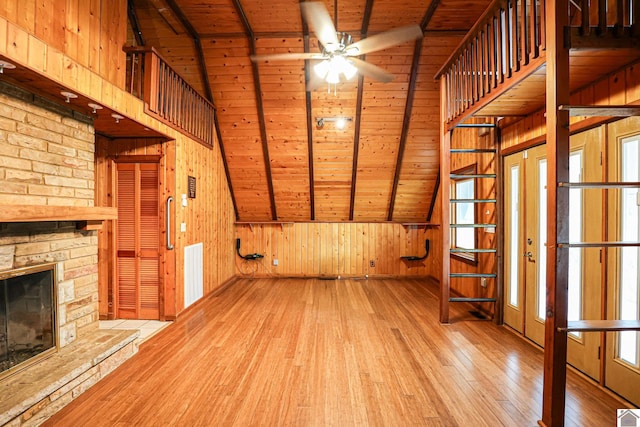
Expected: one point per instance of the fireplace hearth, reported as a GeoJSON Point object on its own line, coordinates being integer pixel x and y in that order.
{"type": "Point", "coordinates": [27, 316]}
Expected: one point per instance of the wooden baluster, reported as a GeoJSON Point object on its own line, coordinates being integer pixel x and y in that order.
{"type": "Point", "coordinates": [478, 67]}
{"type": "Point", "coordinates": [585, 24]}
{"type": "Point", "coordinates": [491, 54]}
{"type": "Point", "coordinates": [512, 30]}
{"type": "Point", "coordinates": [525, 46]}
{"type": "Point", "coordinates": [472, 71]}
{"type": "Point", "coordinates": [602, 16]}
{"type": "Point", "coordinates": [513, 34]}
{"type": "Point", "coordinates": [450, 98]}
{"type": "Point", "coordinates": [620, 9]}
{"type": "Point", "coordinates": [542, 33]}
{"type": "Point", "coordinates": [483, 63]}
{"type": "Point", "coordinates": [534, 19]}
{"type": "Point", "coordinates": [635, 19]}
{"type": "Point", "coordinates": [499, 48]}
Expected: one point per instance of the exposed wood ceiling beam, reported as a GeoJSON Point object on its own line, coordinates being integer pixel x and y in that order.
{"type": "Point", "coordinates": [226, 167]}
{"type": "Point", "coordinates": [307, 68]}
{"type": "Point", "coordinates": [429, 14]}
{"type": "Point", "coordinates": [434, 198]}
{"type": "Point", "coordinates": [261, 118]}
{"type": "Point", "coordinates": [205, 78]}
{"type": "Point", "coordinates": [425, 22]}
{"type": "Point", "coordinates": [196, 40]}
{"type": "Point", "coordinates": [135, 25]}
{"type": "Point", "coordinates": [366, 18]}
{"type": "Point", "coordinates": [417, 50]}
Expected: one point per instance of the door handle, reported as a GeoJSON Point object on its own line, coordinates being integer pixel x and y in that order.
{"type": "Point", "coordinates": [169, 200]}
{"type": "Point", "coordinates": [529, 256]}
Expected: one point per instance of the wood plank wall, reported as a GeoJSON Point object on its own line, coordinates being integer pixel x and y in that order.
{"type": "Point", "coordinates": [319, 249]}
{"type": "Point", "coordinates": [622, 87]}
{"type": "Point", "coordinates": [91, 32]}
{"type": "Point", "coordinates": [208, 217]}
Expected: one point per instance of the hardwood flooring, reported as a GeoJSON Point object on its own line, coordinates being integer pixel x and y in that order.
{"type": "Point", "coordinates": [331, 352]}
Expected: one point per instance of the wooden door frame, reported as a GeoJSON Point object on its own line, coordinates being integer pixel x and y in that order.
{"type": "Point", "coordinates": [139, 159]}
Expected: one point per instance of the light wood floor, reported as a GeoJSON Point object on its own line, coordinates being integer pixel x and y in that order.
{"type": "Point", "coordinates": [326, 352]}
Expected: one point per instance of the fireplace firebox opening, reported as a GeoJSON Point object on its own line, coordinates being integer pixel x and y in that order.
{"type": "Point", "coordinates": [27, 317]}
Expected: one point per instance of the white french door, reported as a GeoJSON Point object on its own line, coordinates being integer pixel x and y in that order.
{"type": "Point", "coordinates": [525, 178]}
{"type": "Point", "coordinates": [623, 348]}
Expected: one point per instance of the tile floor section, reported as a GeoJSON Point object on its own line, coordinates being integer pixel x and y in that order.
{"type": "Point", "coordinates": [147, 328]}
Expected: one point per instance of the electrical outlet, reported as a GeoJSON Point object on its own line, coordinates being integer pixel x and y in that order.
{"type": "Point", "coordinates": [372, 263]}
{"type": "Point", "coordinates": [275, 262]}
{"type": "Point", "coordinates": [483, 282]}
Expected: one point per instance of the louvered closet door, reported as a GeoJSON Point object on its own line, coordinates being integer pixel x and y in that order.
{"type": "Point", "coordinates": [138, 234]}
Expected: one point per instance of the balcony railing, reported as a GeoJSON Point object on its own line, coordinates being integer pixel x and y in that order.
{"type": "Point", "coordinates": [167, 96]}
{"type": "Point", "coordinates": [507, 37]}
{"type": "Point", "coordinates": [510, 36]}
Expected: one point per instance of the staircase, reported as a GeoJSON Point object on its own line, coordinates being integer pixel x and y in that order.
{"type": "Point", "coordinates": [470, 241]}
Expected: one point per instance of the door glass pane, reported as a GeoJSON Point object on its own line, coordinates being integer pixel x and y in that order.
{"type": "Point", "coordinates": [628, 302]}
{"type": "Point", "coordinates": [575, 235]}
{"type": "Point", "coordinates": [542, 238]}
{"type": "Point", "coordinates": [465, 237]}
{"type": "Point", "coordinates": [514, 236]}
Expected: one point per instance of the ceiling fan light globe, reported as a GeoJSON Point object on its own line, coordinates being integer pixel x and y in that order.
{"type": "Point", "coordinates": [333, 76]}
{"type": "Point", "coordinates": [321, 69]}
{"type": "Point", "coordinates": [349, 70]}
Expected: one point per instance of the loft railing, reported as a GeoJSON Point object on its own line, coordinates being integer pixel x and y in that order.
{"type": "Point", "coordinates": [167, 96]}
{"type": "Point", "coordinates": [604, 19]}
{"type": "Point", "coordinates": [509, 38]}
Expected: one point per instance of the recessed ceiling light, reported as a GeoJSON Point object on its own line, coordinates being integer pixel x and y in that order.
{"type": "Point", "coordinates": [68, 95]}
{"type": "Point", "coordinates": [7, 65]}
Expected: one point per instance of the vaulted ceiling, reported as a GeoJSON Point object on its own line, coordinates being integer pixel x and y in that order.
{"type": "Point", "coordinates": [282, 167]}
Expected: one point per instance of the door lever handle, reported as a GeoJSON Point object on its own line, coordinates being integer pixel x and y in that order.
{"type": "Point", "coordinates": [529, 256]}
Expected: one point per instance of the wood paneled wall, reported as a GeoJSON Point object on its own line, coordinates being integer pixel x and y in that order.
{"type": "Point", "coordinates": [208, 217]}
{"type": "Point", "coordinates": [319, 249]}
{"type": "Point", "coordinates": [91, 32]}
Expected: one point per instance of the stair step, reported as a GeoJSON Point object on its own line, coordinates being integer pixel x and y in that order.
{"type": "Point", "coordinates": [472, 175]}
{"type": "Point", "coordinates": [471, 299]}
{"type": "Point", "coordinates": [491, 275]}
{"type": "Point", "coordinates": [472, 200]}
{"type": "Point", "coordinates": [473, 150]}
{"type": "Point", "coordinates": [472, 225]}
{"type": "Point", "coordinates": [472, 251]}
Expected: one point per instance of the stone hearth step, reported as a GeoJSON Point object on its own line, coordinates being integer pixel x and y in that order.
{"type": "Point", "coordinates": [32, 395]}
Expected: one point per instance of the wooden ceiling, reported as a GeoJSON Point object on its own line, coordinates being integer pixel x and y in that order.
{"type": "Point", "coordinates": [281, 166]}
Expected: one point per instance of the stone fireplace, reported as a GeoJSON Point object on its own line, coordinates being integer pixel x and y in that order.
{"type": "Point", "coordinates": [48, 218]}
{"type": "Point", "coordinates": [27, 316]}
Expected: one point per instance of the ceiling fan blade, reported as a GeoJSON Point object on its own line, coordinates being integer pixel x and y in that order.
{"type": "Point", "coordinates": [316, 15]}
{"type": "Point", "coordinates": [285, 56]}
{"type": "Point", "coordinates": [384, 40]}
{"type": "Point", "coordinates": [370, 70]}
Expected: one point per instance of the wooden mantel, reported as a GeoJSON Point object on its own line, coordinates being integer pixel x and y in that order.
{"type": "Point", "coordinates": [88, 217]}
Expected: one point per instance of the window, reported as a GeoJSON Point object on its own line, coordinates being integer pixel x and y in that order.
{"type": "Point", "coordinates": [628, 348]}
{"type": "Point", "coordinates": [463, 213]}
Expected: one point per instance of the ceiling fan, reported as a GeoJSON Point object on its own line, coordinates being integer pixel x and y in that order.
{"type": "Point", "coordinates": [338, 59]}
